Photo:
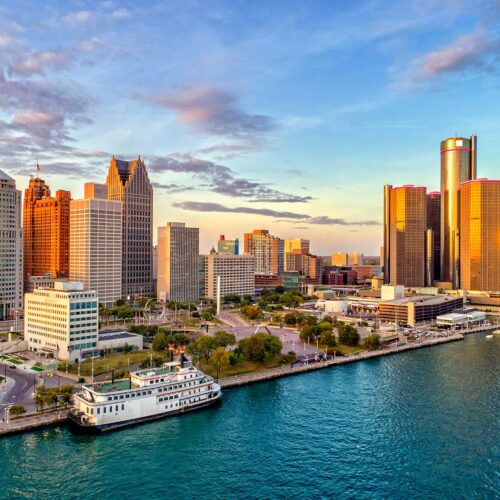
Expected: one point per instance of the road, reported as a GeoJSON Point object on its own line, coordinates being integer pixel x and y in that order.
{"type": "Point", "coordinates": [20, 385]}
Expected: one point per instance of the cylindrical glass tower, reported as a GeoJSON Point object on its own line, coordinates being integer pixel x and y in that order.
{"type": "Point", "coordinates": [458, 164]}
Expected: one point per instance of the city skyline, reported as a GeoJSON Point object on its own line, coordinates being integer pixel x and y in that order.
{"type": "Point", "coordinates": [246, 114]}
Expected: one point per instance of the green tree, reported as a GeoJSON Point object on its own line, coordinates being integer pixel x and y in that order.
{"type": "Point", "coordinates": [127, 347]}
{"type": "Point", "coordinates": [16, 410]}
{"type": "Point", "coordinates": [348, 334]}
{"type": "Point", "coordinates": [372, 341]}
{"type": "Point", "coordinates": [328, 338]}
{"type": "Point", "coordinates": [202, 347]}
{"type": "Point", "coordinates": [251, 312]}
{"type": "Point", "coordinates": [160, 342]}
{"type": "Point", "coordinates": [120, 302]}
{"type": "Point", "coordinates": [220, 359]}
{"type": "Point", "coordinates": [260, 347]}
{"type": "Point", "coordinates": [223, 339]}
{"type": "Point", "coordinates": [66, 393]}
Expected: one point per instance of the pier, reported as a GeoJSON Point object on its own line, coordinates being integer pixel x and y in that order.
{"type": "Point", "coordinates": [33, 422]}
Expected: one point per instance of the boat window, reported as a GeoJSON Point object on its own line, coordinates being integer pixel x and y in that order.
{"type": "Point", "coordinates": [98, 411]}
{"type": "Point", "coordinates": [127, 396]}
{"type": "Point", "coordinates": [110, 398]}
{"type": "Point", "coordinates": [116, 408]}
{"type": "Point", "coordinates": [92, 411]}
{"type": "Point", "coordinates": [149, 392]}
{"type": "Point", "coordinates": [123, 407]}
{"type": "Point", "coordinates": [104, 410]}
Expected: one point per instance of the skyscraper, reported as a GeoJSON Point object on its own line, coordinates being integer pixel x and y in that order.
{"type": "Point", "coordinates": [128, 182]}
{"type": "Point", "coordinates": [178, 272]}
{"type": "Point", "coordinates": [45, 231]}
{"type": "Point", "coordinates": [458, 164]}
{"type": "Point", "coordinates": [480, 235]}
{"type": "Point", "coordinates": [407, 226]}
{"type": "Point", "coordinates": [11, 248]}
{"type": "Point", "coordinates": [339, 259]}
{"type": "Point", "coordinates": [228, 246]}
{"type": "Point", "coordinates": [96, 247]}
{"type": "Point", "coordinates": [307, 265]}
{"type": "Point", "coordinates": [268, 251]}
{"type": "Point", "coordinates": [434, 236]}
{"type": "Point", "coordinates": [297, 244]}
{"type": "Point", "coordinates": [387, 244]}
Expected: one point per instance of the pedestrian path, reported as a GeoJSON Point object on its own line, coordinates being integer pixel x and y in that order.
{"type": "Point", "coordinates": [31, 422]}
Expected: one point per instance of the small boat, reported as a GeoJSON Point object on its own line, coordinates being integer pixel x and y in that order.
{"type": "Point", "coordinates": [489, 336]}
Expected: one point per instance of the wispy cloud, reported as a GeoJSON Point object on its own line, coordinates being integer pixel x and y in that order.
{"type": "Point", "coordinates": [172, 188]}
{"type": "Point", "coordinates": [40, 62]}
{"type": "Point", "coordinates": [475, 53]}
{"type": "Point", "coordinates": [222, 179]}
{"type": "Point", "coordinates": [214, 111]}
{"type": "Point", "coordinates": [196, 206]}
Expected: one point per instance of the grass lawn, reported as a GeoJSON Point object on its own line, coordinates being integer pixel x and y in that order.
{"type": "Point", "coordinates": [245, 367]}
{"type": "Point", "coordinates": [14, 360]}
{"type": "Point", "coordinates": [5, 335]}
{"type": "Point", "coordinates": [343, 349]}
{"type": "Point", "coordinates": [110, 362]}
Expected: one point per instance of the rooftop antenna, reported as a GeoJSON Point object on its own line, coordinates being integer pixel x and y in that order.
{"type": "Point", "coordinates": [37, 167]}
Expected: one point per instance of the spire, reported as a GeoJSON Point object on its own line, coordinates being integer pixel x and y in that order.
{"type": "Point", "coordinates": [37, 167]}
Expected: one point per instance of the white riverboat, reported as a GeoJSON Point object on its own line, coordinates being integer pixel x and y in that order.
{"type": "Point", "coordinates": [148, 394]}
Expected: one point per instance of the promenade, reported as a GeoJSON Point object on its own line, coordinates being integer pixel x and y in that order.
{"type": "Point", "coordinates": [32, 422]}
{"type": "Point", "coordinates": [287, 370]}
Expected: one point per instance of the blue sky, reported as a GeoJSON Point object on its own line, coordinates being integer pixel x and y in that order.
{"type": "Point", "coordinates": [286, 115]}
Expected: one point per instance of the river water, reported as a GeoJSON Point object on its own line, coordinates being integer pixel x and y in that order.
{"type": "Point", "coordinates": [422, 424]}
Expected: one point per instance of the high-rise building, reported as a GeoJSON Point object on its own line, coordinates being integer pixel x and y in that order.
{"type": "Point", "coordinates": [433, 243]}
{"type": "Point", "coordinates": [297, 244]}
{"type": "Point", "coordinates": [339, 259]}
{"type": "Point", "coordinates": [355, 259]}
{"type": "Point", "coordinates": [95, 190]}
{"type": "Point", "coordinates": [458, 164]}
{"type": "Point", "coordinates": [45, 231]}
{"type": "Point", "coordinates": [305, 264]}
{"type": "Point", "coordinates": [96, 247]}
{"type": "Point", "coordinates": [128, 182]}
{"type": "Point", "coordinates": [237, 274]}
{"type": "Point", "coordinates": [62, 321]}
{"type": "Point", "coordinates": [178, 255]}
{"type": "Point", "coordinates": [11, 248]}
{"type": "Point", "coordinates": [386, 250]}
{"type": "Point", "coordinates": [407, 226]}
{"type": "Point", "coordinates": [268, 251]}
{"type": "Point", "coordinates": [228, 246]}
{"type": "Point", "coordinates": [480, 235]}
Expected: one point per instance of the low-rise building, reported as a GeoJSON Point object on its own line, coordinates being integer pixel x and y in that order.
{"type": "Point", "coordinates": [62, 322]}
{"type": "Point", "coordinates": [118, 339]}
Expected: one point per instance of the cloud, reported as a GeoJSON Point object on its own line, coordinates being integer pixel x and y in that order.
{"type": "Point", "coordinates": [78, 17]}
{"type": "Point", "coordinates": [121, 14]}
{"type": "Point", "coordinates": [197, 206]}
{"type": "Point", "coordinates": [473, 53]}
{"type": "Point", "coordinates": [222, 179]}
{"type": "Point", "coordinates": [214, 111]}
{"type": "Point", "coordinates": [172, 188]}
{"type": "Point", "coordinates": [40, 62]}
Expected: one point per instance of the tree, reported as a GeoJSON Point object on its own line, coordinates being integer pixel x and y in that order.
{"type": "Point", "coordinates": [291, 298]}
{"type": "Point", "coordinates": [65, 393]}
{"type": "Point", "coordinates": [160, 342]}
{"type": "Point", "coordinates": [120, 302]}
{"type": "Point", "coordinates": [202, 347]}
{"type": "Point", "coordinates": [328, 338]}
{"type": "Point", "coordinates": [251, 312]}
{"type": "Point", "coordinates": [372, 341]}
{"type": "Point", "coordinates": [127, 347]}
{"type": "Point", "coordinates": [219, 359]}
{"type": "Point", "coordinates": [348, 334]}
{"type": "Point", "coordinates": [260, 347]}
{"type": "Point", "coordinates": [224, 339]}
{"type": "Point", "coordinates": [16, 410]}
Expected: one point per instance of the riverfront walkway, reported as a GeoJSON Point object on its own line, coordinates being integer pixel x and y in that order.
{"type": "Point", "coordinates": [31, 422]}
{"type": "Point", "coordinates": [287, 370]}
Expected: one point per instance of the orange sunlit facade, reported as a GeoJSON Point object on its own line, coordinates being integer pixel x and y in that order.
{"type": "Point", "coordinates": [407, 217]}
{"type": "Point", "coordinates": [267, 249]}
{"type": "Point", "coordinates": [45, 231]}
{"type": "Point", "coordinates": [480, 235]}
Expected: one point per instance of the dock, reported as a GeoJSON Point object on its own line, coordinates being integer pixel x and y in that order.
{"type": "Point", "coordinates": [34, 421]}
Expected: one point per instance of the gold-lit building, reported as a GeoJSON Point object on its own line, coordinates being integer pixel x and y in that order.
{"type": "Point", "coordinates": [458, 164]}
{"type": "Point", "coordinates": [480, 235]}
{"type": "Point", "coordinates": [385, 254]}
{"type": "Point", "coordinates": [45, 231]}
{"type": "Point", "coordinates": [305, 264]}
{"type": "Point", "coordinates": [407, 216]}
{"type": "Point", "coordinates": [268, 251]}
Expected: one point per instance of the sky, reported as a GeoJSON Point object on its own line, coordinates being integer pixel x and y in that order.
{"type": "Point", "coordinates": [284, 115]}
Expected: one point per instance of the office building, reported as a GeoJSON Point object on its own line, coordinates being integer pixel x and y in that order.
{"type": "Point", "coordinates": [11, 248]}
{"type": "Point", "coordinates": [45, 231]}
{"type": "Point", "coordinates": [178, 255]}
{"type": "Point", "coordinates": [385, 251]}
{"type": "Point", "coordinates": [407, 226]}
{"type": "Point", "coordinates": [296, 244]}
{"type": "Point", "coordinates": [128, 182]}
{"type": "Point", "coordinates": [268, 251]}
{"type": "Point", "coordinates": [44, 281]}
{"type": "Point", "coordinates": [480, 235]}
{"type": "Point", "coordinates": [62, 322]}
{"type": "Point", "coordinates": [355, 259]}
{"type": "Point", "coordinates": [237, 274]}
{"type": "Point", "coordinates": [96, 247]}
{"type": "Point", "coordinates": [228, 246]}
{"type": "Point", "coordinates": [94, 190]}
{"type": "Point", "coordinates": [339, 259]}
{"type": "Point", "coordinates": [307, 265]}
{"type": "Point", "coordinates": [458, 164]}
{"type": "Point", "coordinates": [433, 242]}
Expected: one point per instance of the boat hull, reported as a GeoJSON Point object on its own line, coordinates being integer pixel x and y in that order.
{"type": "Point", "coordinates": [77, 425]}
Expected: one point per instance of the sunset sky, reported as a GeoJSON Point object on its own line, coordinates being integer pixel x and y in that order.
{"type": "Point", "coordinates": [281, 115]}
